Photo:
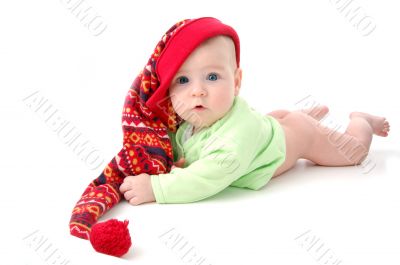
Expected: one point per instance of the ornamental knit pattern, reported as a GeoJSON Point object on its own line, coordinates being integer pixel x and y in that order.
{"type": "Point", "coordinates": [146, 145]}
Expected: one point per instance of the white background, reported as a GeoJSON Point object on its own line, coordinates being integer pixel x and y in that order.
{"type": "Point", "coordinates": [290, 50]}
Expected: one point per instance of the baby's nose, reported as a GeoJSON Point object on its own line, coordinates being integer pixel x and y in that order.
{"type": "Point", "coordinates": [198, 90]}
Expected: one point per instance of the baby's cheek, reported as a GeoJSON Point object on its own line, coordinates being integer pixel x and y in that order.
{"type": "Point", "coordinates": [175, 104]}
{"type": "Point", "coordinates": [176, 94]}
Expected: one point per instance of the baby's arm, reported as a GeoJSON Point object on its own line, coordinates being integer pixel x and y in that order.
{"type": "Point", "coordinates": [203, 178]}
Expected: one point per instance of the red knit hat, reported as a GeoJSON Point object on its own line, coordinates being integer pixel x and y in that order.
{"type": "Point", "coordinates": [179, 47]}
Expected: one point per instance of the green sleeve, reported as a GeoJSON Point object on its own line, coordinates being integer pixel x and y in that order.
{"type": "Point", "coordinates": [217, 168]}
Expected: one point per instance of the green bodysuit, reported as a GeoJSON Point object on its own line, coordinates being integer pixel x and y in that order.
{"type": "Point", "coordinates": [242, 149]}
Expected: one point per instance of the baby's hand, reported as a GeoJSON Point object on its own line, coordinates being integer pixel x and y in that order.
{"type": "Point", "coordinates": [137, 189]}
{"type": "Point", "coordinates": [179, 163]}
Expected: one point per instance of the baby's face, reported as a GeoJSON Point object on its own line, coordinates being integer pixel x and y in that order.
{"type": "Point", "coordinates": [203, 89]}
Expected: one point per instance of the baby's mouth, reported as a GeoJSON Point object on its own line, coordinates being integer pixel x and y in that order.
{"type": "Point", "coordinates": [199, 107]}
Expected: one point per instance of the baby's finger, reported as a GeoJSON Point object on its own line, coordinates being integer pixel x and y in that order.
{"type": "Point", "coordinates": [129, 195]}
{"type": "Point", "coordinates": [135, 201]}
{"type": "Point", "coordinates": [180, 162]}
{"type": "Point", "coordinates": [124, 187]}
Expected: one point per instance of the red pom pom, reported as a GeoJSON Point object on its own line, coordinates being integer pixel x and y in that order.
{"type": "Point", "coordinates": [111, 237]}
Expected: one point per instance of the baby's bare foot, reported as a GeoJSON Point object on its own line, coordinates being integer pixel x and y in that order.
{"type": "Point", "coordinates": [317, 112]}
{"type": "Point", "coordinates": [379, 125]}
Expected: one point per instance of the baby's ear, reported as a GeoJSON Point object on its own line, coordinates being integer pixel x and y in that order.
{"type": "Point", "coordinates": [238, 80]}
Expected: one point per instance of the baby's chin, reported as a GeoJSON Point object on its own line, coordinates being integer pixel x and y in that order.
{"type": "Point", "coordinates": [202, 121]}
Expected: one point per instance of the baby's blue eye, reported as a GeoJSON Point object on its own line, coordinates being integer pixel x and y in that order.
{"type": "Point", "coordinates": [183, 80]}
{"type": "Point", "coordinates": [212, 77]}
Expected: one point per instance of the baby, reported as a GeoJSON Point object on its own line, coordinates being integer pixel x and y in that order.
{"type": "Point", "coordinates": [223, 142]}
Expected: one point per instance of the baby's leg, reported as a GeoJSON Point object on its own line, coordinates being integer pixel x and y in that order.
{"type": "Point", "coordinates": [278, 114]}
{"type": "Point", "coordinates": [307, 138]}
{"type": "Point", "coordinates": [317, 112]}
